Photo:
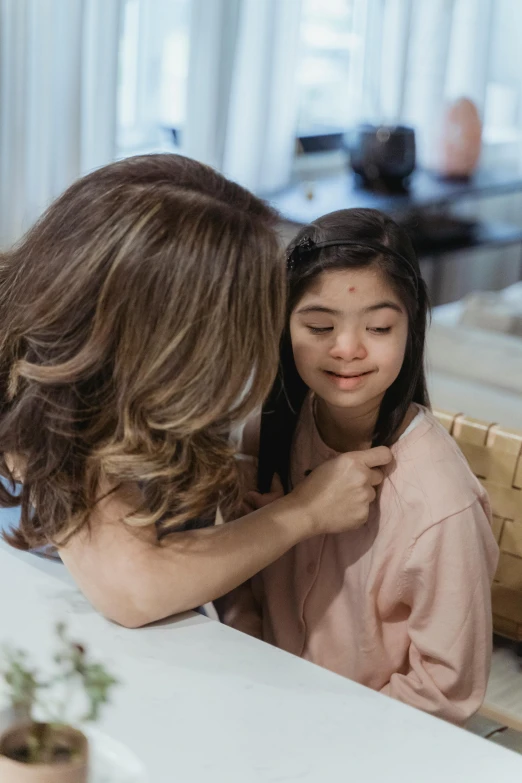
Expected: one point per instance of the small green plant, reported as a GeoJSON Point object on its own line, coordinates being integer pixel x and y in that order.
{"type": "Point", "coordinates": [53, 697]}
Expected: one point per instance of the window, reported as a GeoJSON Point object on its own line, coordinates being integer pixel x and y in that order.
{"type": "Point", "coordinates": [329, 67]}
{"type": "Point", "coordinates": [503, 98]}
{"type": "Point", "coordinates": [310, 70]}
{"type": "Point", "coordinates": [153, 66]}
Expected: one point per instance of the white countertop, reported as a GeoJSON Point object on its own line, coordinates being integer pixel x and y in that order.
{"type": "Point", "coordinates": [200, 702]}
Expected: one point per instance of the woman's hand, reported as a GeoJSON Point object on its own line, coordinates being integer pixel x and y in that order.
{"type": "Point", "coordinates": [337, 495]}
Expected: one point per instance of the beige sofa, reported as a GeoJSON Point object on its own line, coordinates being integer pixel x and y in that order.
{"type": "Point", "coordinates": [473, 370]}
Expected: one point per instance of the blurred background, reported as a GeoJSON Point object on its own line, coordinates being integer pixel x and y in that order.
{"type": "Point", "coordinates": [261, 89]}
{"type": "Point", "coordinates": [272, 92]}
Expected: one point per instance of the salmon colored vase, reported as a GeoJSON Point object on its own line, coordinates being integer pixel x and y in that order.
{"type": "Point", "coordinates": [65, 741]}
{"type": "Point", "coordinates": [460, 140]}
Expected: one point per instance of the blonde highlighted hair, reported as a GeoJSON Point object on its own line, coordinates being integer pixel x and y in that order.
{"type": "Point", "coordinates": [139, 324]}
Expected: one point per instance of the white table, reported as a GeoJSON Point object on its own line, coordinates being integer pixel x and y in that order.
{"type": "Point", "coordinates": [200, 702]}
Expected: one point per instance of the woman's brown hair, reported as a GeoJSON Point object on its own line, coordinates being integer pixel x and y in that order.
{"type": "Point", "coordinates": [139, 324]}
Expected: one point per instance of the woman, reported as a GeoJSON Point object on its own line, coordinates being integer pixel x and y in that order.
{"type": "Point", "coordinates": [139, 327]}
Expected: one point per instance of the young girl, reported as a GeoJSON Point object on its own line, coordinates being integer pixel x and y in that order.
{"type": "Point", "coordinates": [401, 605]}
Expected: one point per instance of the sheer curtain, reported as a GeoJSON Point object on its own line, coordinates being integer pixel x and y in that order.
{"type": "Point", "coordinates": [242, 103]}
{"type": "Point", "coordinates": [424, 53]}
{"type": "Point", "coordinates": [434, 51]}
{"type": "Point", "coordinates": [58, 78]}
{"type": "Point", "coordinates": [242, 92]}
{"type": "Point", "coordinates": [59, 74]}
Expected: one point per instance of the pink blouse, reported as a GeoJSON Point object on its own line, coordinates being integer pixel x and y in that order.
{"type": "Point", "coordinates": [403, 604]}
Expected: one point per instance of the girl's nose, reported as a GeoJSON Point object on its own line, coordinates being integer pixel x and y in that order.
{"type": "Point", "coordinates": [348, 346]}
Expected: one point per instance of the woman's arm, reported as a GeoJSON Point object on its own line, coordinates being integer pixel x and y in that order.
{"type": "Point", "coordinates": [133, 579]}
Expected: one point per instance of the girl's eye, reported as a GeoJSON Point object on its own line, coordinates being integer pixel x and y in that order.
{"type": "Point", "coordinates": [320, 329]}
{"type": "Point", "coordinates": [380, 329]}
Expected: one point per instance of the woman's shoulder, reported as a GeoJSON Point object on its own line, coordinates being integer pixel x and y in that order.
{"type": "Point", "coordinates": [248, 438]}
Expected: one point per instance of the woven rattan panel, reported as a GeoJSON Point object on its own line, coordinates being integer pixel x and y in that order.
{"type": "Point", "coordinates": [495, 457]}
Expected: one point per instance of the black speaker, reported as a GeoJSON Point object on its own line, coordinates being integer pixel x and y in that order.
{"type": "Point", "coordinates": [381, 156]}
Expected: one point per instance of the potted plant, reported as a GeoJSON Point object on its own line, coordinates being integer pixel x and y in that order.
{"type": "Point", "coordinates": [47, 748]}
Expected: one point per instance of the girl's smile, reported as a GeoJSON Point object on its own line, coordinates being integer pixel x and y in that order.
{"type": "Point", "coordinates": [349, 333]}
{"type": "Point", "coordinates": [348, 381]}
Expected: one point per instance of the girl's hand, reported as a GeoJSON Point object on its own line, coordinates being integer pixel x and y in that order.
{"type": "Point", "coordinates": [254, 500]}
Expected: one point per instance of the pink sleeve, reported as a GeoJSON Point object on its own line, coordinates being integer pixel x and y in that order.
{"type": "Point", "coordinates": [240, 610]}
{"type": "Point", "coordinates": [447, 584]}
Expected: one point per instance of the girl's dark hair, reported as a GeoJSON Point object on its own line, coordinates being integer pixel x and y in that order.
{"type": "Point", "coordinates": [354, 239]}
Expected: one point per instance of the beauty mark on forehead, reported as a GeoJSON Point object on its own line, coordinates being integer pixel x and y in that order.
{"type": "Point", "coordinates": [351, 289]}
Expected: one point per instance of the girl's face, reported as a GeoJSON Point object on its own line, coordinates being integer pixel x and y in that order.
{"type": "Point", "coordinates": [349, 332]}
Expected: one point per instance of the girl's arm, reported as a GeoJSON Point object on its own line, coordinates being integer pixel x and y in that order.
{"type": "Point", "coordinates": [133, 579]}
{"type": "Point", "coordinates": [448, 587]}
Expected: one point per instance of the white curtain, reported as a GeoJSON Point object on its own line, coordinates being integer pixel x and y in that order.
{"type": "Point", "coordinates": [426, 53]}
{"type": "Point", "coordinates": [58, 79]}
{"type": "Point", "coordinates": [59, 71]}
{"type": "Point", "coordinates": [242, 92]}
{"type": "Point", "coordinates": [423, 54]}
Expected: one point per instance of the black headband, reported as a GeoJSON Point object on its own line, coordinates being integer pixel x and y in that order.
{"type": "Point", "coordinates": [307, 245]}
